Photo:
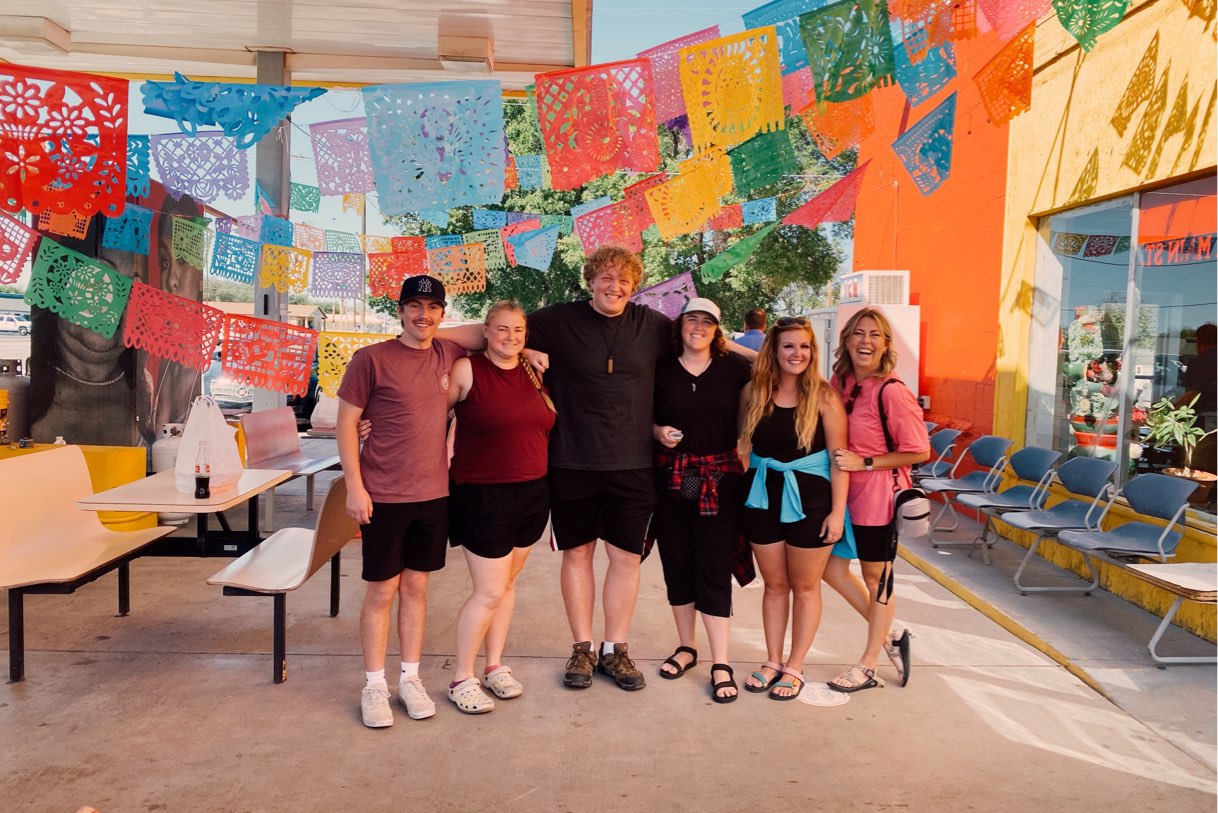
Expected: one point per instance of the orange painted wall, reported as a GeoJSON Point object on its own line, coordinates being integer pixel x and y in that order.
{"type": "Point", "coordinates": [949, 241]}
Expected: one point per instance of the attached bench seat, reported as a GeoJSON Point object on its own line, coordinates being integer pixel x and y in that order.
{"type": "Point", "coordinates": [273, 442]}
{"type": "Point", "coordinates": [50, 546]}
{"type": "Point", "coordinates": [1194, 581]}
{"type": "Point", "coordinates": [289, 558]}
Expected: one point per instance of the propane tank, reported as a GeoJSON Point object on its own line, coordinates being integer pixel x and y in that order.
{"type": "Point", "coordinates": [164, 456]}
{"type": "Point", "coordinates": [18, 387]}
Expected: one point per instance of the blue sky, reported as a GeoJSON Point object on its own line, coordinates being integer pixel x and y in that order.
{"type": "Point", "coordinates": [622, 28]}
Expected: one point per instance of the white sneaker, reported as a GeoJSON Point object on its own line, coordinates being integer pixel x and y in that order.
{"type": "Point", "coordinates": [414, 697]}
{"type": "Point", "coordinates": [374, 703]}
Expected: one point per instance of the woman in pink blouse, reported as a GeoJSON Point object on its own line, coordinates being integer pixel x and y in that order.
{"type": "Point", "coordinates": [865, 361]}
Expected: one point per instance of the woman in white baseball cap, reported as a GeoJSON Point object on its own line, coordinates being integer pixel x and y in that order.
{"type": "Point", "coordinates": [701, 485]}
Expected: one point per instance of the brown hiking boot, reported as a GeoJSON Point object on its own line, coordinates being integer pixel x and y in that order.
{"type": "Point", "coordinates": [623, 671]}
{"type": "Point", "coordinates": [581, 666]}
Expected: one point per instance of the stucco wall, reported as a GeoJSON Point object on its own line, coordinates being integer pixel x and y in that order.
{"type": "Point", "coordinates": [949, 241]}
{"type": "Point", "coordinates": [1156, 75]}
{"type": "Point", "coordinates": [1067, 151]}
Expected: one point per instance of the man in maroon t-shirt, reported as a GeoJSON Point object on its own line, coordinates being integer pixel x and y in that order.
{"type": "Point", "coordinates": [397, 486]}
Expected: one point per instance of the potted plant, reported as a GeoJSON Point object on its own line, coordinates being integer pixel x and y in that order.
{"type": "Point", "coordinates": [1177, 425]}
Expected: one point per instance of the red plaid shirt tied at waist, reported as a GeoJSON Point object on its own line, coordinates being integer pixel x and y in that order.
{"type": "Point", "coordinates": [703, 467]}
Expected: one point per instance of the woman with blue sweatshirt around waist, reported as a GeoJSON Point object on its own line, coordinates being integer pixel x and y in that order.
{"type": "Point", "coordinates": [795, 511]}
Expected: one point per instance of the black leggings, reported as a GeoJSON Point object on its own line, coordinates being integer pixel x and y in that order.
{"type": "Point", "coordinates": [698, 552]}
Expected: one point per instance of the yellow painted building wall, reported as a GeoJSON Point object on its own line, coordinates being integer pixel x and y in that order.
{"type": "Point", "coordinates": [1137, 111]}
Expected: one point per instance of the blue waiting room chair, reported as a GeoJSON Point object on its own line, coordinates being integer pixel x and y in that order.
{"type": "Point", "coordinates": [940, 463]}
{"type": "Point", "coordinates": [990, 453]}
{"type": "Point", "coordinates": [1084, 477]}
{"type": "Point", "coordinates": [1034, 468]}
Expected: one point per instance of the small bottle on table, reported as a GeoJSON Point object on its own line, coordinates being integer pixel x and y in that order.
{"type": "Point", "coordinates": [202, 473]}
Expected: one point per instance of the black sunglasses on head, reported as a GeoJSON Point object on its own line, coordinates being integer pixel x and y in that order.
{"type": "Point", "coordinates": [788, 321]}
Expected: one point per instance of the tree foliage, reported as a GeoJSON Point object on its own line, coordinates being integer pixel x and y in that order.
{"type": "Point", "coordinates": [783, 274]}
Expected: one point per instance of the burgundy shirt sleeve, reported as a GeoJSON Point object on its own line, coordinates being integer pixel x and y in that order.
{"type": "Point", "coordinates": [357, 380]}
{"type": "Point", "coordinates": [450, 352]}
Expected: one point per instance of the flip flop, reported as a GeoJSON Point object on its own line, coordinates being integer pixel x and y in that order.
{"type": "Point", "coordinates": [760, 678]}
{"type": "Point", "coordinates": [849, 685]}
{"type": "Point", "coordinates": [730, 683]}
{"type": "Point", "coordinates": [681, 670]}
{"type": "Point", "coordinates": [898, 653]}
{"type": "Point", "coordinates": [796, 678]}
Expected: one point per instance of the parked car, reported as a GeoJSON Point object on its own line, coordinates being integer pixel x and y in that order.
{"type": "Point", "coordinates": [17, 323]}
{"type": "Point", "coordinates": [230, 395]}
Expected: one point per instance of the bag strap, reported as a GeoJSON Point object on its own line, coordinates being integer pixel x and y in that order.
{"type": "Point", "coordinates": [532, 374]}
{"type": "Point", "coordinates": [892, 447]}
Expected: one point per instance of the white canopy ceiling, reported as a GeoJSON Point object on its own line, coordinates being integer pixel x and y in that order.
{"type": "Point", "coordinates": [364, 42]}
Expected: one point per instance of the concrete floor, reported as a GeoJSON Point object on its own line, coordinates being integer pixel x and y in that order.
{"type": "Point", "coordinates": [172, 708]}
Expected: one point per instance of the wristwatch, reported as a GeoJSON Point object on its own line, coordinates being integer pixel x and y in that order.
{"type": "Point", "coordinates": [868, 464]}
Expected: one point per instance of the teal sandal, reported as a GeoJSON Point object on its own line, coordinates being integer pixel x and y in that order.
{"type": "Point", "coordinates": [796, 682]}
{"type": "Point", "coordinates": [765, 683]}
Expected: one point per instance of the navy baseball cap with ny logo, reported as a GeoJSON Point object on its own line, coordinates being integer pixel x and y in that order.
{"type": "Point", "coordinates": [422, 287]}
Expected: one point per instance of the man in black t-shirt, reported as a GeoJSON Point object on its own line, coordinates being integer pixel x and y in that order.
{"type": "Point", "coordinates": [602, 356]}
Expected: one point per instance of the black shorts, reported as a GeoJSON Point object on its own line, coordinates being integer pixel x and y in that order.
{"type": "Point", "coordinates": [873, 543]}
{"type": "Point", "coordinates": [763, 526]}
{"type": "Point", "coordinates": [404, 536]}
{"type": "Point", "coordinates": [490, 519]}
{"type": "Point", "coordinates": [614, 506]}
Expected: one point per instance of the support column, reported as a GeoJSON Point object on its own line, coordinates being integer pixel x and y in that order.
{"type": "Point", "coordinates": [273, 174]}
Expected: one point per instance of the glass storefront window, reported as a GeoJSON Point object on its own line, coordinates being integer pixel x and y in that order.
{"type": "Point", "coordinates": [1124, 309]}
{"type": "Point", "coordinates": [1175, 279]}
{"type": "Point", "coordinates": [1088, 260]}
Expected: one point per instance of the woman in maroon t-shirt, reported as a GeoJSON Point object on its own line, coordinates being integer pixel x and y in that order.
{"type": "Point", "coordinates": [498, 498]}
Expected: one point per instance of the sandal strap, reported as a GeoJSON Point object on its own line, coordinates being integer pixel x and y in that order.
{"type": "Point", "coordinates": [687, 650]}
{"type": "Point", "coordinates": [722, 667]}
{"type": "Point", "coordinates": [791, 672]}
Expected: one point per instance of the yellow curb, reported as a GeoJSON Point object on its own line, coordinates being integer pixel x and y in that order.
{"type": "Point", "coordinates": [1001, 619]}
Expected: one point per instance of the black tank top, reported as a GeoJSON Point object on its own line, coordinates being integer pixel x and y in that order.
{"type": "Point", "coordinates": [775, 438]}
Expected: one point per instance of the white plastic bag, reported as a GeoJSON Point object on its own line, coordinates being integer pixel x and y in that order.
{"type": "Point", "coordinates": [206, 423]}
{"type": "Point", "coordinates": [325, 413]}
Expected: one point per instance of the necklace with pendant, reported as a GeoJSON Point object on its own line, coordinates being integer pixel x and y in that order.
{"type": "Point", "coordinates": [610, 344]}
{"type": "Point", "coordinates": [693, 385]}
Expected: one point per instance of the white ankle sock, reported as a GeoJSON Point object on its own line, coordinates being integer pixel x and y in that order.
{"type": "Point", "coordinates": [376, 678]}
{"type": "Point", "coordinates": [607, 647]}
{"type": "Point", "coordinates": [410, 669]}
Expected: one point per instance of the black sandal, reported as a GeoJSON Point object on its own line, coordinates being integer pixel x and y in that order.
{"type": "Point", "coordinates": [730, 683]}
{"type": "Point", "coordinates": [898, 652]}
{"type": "Point", "coordinates": [672, 661]}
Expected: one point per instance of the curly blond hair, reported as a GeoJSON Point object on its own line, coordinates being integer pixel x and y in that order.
{"type": "Point", "coordinates": [608, 257]}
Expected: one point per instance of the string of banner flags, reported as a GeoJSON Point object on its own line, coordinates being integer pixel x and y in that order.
{"type": "Point", "coordinates": [427, 148]}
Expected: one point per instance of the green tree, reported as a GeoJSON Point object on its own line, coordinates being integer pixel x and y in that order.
{"type": "Point", "coordinates": [791, 259]}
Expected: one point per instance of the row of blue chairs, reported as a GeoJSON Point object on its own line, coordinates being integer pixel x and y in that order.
{"type": "Point", "coordinates": [1077, 522]}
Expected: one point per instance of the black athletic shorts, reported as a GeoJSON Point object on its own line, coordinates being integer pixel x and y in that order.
{"type": "Point", "coordinates": [872, 542]}
{"type": "Point", "coordinates": [765, 527]}
{"type": "Point", "coordinates": [490, 519]}
{"type": "Point", "coordinates": [614, 506]}
{"type": "Point", "coordinates": [404, 536]}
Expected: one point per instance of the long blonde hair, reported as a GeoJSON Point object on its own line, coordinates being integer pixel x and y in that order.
{"type": "Point", "coordinates": [810, 386]}
{"type": "Point", "coordinates": [843, 366]}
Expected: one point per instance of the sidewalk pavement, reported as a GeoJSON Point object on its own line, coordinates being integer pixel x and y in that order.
{"type": "Point", "coordinates": [1100, 638]}
{"type": "Point", "coordinates": [172, 707]}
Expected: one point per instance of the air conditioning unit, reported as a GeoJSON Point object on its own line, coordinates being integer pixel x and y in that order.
{"type": "Point", "coordinates": [875, 288]}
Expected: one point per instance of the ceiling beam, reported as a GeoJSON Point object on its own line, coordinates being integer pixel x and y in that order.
{"type": "Point", "coordinates": [581, 32]}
